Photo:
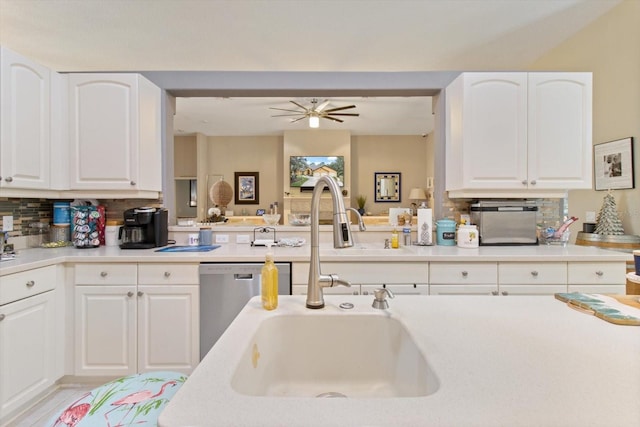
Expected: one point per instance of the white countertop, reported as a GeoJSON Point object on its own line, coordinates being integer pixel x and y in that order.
{"type": "Point", "coordinates": [40, 257]}
{"type": "Point", "coordinates": [525, 361]}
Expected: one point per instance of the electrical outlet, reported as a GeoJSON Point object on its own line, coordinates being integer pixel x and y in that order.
{"type": "Point", "coordinates": [222, 238]}
{"type": "Point", "coordinates": [7, 223]}
{"type": "Point", "coordinates": [242, 238]}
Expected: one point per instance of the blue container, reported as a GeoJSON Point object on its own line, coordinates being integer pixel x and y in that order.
{"type": "Point", "coordinates": [446, 232]}
{"type": "Point", "coordinates": [636, 257]}
{"type": "Point", "coordinates": [61, 213]}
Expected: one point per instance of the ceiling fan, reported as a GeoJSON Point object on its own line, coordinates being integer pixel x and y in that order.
{"type": "Point", "coordinates": [315, 112]}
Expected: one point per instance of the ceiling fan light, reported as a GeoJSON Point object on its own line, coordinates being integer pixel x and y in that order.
{"type": "Point", "coordinates": [314, 122]}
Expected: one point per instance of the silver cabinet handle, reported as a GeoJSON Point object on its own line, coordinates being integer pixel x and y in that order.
{"type": "Point", "coordinates": [30, 284]}
{"type": "Point", "coordinates": [533, 182]}
{"type": "Point", "coordinates": [140, 293]}
{"type": "Point", "coordinates": [1, 317]}
{"type": "Point", "coordinates": [103, 274]}
{"type": "Point", "coordinates": [9, 179]}
{"type": "Point", "coordinates": [524, 182]}
{"type": "Point", "coordinates": [505, 293]}
{"type": "Point", "coordinates": [132, 183]}
{"type": "Point", "coordinates": [129, 294]}
{"type": "Point", "coordinates": [494, 293]}
{"type": "Point", "coordinates": [599, 273]}
{"type": "Point", "coordinates": [465, 273]}
{"type": "Point", "coordinates": [167, 273]}
{"type": "Point", "coordinates": [534, 273]}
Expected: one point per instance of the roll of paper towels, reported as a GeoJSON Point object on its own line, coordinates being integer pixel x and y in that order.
{"type": "Point", "coordinates": [425, 225]}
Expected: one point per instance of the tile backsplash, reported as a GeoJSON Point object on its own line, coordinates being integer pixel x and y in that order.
{"type": "Point", "coordinates": [27, 211]}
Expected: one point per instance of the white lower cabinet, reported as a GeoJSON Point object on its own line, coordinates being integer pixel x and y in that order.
{"type": "Point", "coordinates": [457, 278]}
{"type": "Point", "coordinates": [409, 278]}
{"type": "Point", "coordinates": [125, 325]}
{"type": "Point", "coordinates": [598, 277]}
{"type": "Point", "coordinates": [28, 335]}
{"type": "Point", "coordinates": [470, 278]}
{"type": "Point", "coordinates": [398, 288]}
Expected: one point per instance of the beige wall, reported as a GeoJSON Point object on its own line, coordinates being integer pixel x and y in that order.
{"type": "Point", "coordinates": [409, 155]}
{"type": "Point", "coordinates": [184, 156]}
{"type": "Point", "coordinates": [263, 154]}
{"type": "Point", "coordinates": [412, 156]}
{"type": "Point", "coordinates": [610, 48]}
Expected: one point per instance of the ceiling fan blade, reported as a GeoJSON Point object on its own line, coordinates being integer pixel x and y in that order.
{"type": "Point", "coordinates": [346, 107]}
{"type": "Point", "coordinates": [295, 103]}
{"type": "Point", "coordinates": [298, 119]}
{"type": "Point", "coordinates": [332, 118]}
{"type": "Point", "coordinates": [288, 115]}
{"type": "Point", "coordinates": [286, 109]}
{"type": "Point", "coordinates": [322, 106]}
{"type": "Point", "coordinates": [343, 114]}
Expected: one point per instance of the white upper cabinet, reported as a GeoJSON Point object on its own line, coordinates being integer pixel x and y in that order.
{"type": "Point", "coordinates": [25, 119]}
{"type": "Point", "coordinates": [114, 133]}
{"type": "Point", "coordinates": [517, 134]}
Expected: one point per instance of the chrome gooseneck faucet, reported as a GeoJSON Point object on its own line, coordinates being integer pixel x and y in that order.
{"type": "Point", "coordinates": [341, 239]}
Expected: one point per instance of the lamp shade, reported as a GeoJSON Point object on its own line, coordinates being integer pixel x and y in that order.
{"type": "Point", "coordinates": [417, 194]}
{"type": "Point", "coordinates": [314, 121]}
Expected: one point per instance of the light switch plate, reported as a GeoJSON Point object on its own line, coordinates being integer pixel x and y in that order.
{"type": "Point", "coordinates": [590, 216]}
{"type": "Point", "coordinates": [7, 223]}
{"type": "Point", "coordinates": [243, 238]}
{"type": "Point", "coordinates": [222, 238]}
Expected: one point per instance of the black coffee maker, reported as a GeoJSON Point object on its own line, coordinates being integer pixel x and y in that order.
{"type": "Point", "coordinates": [144, 228]}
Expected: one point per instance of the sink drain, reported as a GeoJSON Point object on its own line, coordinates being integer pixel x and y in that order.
{"type": "Point", "coordinates": [331, 394]}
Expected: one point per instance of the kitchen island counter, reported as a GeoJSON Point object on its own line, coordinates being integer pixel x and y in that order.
{"type": "Point", "coordinates": [527, 361]}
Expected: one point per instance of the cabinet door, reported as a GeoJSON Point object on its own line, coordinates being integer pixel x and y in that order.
{"type": "Point", "coordinates": [354, 289]}
{"type": "Point", "coordinates": [487, 132]}
{"type": "Point", "coordinates": [103, 131]}
{"type": "Point", "coordinates": [115, 132]}
{"type": "Point", "coordinates": [105, 336]}
{"type": "Point", "coordinates": [25, 122]}
{"type": "Point", "coordinates": [559, 130]}
{"type": "Point", "coordinates": [463, 290]}
{"type": "Point", "coordinates": [399, 289]}
{"type": "Point", "coordinates": [168, 328]}
{"type": "Point", "coordinates": [507, 290]}
{"type": "Point", "coordinates": [27, 353]}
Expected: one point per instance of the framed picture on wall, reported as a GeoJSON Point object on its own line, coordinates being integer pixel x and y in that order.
{"type": "Point", "coordinates": [613, 165]}
{"type": "Point", "coordinates": [247, 188]}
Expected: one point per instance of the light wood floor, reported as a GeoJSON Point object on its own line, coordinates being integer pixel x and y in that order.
{"type": "Point", "coordinates": [38, 415]}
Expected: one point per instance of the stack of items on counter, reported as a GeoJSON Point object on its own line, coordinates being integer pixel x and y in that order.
{"type": "Point", "coordinates": [80, 223]}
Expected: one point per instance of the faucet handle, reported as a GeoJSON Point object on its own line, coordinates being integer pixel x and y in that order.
{"type": "Point", "coordinates": [380, 299]}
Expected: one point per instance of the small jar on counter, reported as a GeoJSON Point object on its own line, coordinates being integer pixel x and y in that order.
{"type": "Point", "coordinates": [467, 236]}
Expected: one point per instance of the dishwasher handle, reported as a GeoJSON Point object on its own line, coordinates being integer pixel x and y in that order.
{"type": "Point", "coordinates": [243, 276]}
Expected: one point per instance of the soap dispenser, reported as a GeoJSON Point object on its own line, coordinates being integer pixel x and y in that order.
{"type": "Point", "coordinates": [269, 282]}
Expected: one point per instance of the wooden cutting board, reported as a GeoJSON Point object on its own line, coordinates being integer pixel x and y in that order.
{"type": "Point", "coordinates": [599, 306]}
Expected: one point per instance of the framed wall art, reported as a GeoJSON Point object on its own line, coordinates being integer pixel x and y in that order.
{"type": "Point", "coordinates": [387, 186]}
{"type": "Point", "coordinates": [247, 189]}
{"type": "Point", "coordinates": [613, 165]}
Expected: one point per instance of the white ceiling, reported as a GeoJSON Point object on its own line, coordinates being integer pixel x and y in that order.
{"type": "Point", "coordinates": [293, 35]}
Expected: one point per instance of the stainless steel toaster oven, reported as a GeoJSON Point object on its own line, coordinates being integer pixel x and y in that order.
{"type": "Point", "coordinates": [505, 222]}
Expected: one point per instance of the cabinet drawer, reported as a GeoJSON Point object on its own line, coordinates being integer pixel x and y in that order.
{"type": "Point", "coordinates": [531, 273]}
{"type": "Point", "coordinates": [597, 273]}
{"type": "Point", "coordinates": [457, 273]}
{"type": "Point", "coordinates": [26, 283]}
{"type": "Point", "coordinates": [106, 274]}
{"type": "Point", "coordinates": [170, 274]}
{"type": "Point", "coordinates": [383, 273]}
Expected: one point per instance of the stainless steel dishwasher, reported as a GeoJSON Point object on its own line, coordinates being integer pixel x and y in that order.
{"type": "Point", "coordinates": [227, 287]}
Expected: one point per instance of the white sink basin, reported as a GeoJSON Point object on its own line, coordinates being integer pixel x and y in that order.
{"type": "Point", "coordinates": [351, 356]}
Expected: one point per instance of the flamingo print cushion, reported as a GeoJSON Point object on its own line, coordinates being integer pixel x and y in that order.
{"type": "Point", "coordinates": [133, 400]}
